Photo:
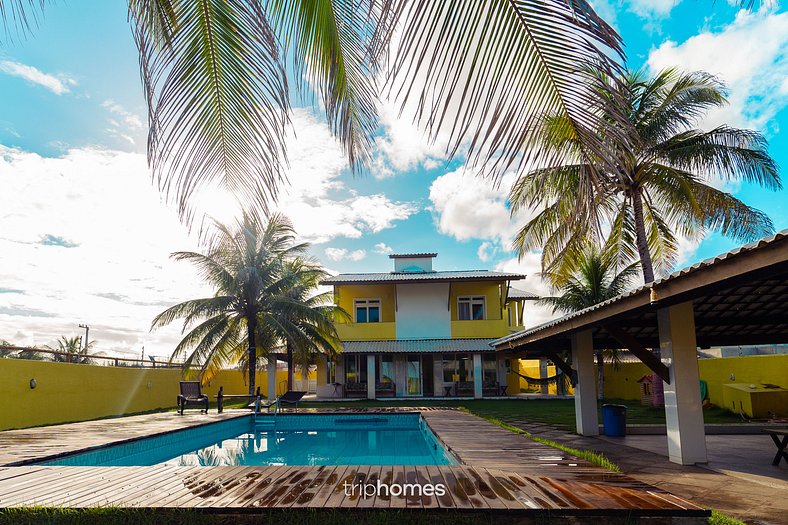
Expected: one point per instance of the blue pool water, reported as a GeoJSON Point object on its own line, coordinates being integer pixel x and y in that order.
{"type": "Point", "coordinates": [297, 439]}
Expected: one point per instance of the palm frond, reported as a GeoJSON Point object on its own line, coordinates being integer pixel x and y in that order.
{"type": "Point", "coordinates": [482, 72]}
{"type": "Point", "coordinates": [217, 99]}
{"type": "Point", "coordinates": [20, 16]}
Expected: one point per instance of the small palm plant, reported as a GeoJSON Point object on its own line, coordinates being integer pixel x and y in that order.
{"type": "Point", "coordinates": [594, 280]}
{"type": "Point", "coordinates": [651, 182]}
{"type": "Point", "coordinates": [71, 351]}
{"type": "Point", "coordinates": [264, 300]}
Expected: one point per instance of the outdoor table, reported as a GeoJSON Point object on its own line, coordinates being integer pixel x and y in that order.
{"type": "Point", "coordinates": [781, 445]}
{"type": "Point", "coordinates": [447, 390]}
{"type": "Point", "coordinates": [502, 389]}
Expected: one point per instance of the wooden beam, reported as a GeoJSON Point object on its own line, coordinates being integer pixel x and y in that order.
{"type": "Point", "coordinates": [639, 351]}
{"type": "Point", "coordinates": [563, 365]}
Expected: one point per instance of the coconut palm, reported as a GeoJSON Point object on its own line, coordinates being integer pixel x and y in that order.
{"type": "Point", "coordinates": [72, 351]}
{"type": "Point", "coordinates": [261, 280]}
{"type": "Point", "coordinates": [594, 280]}
{"type": "Point", "coordinates": [655, 180]}
{"type": "Point", "coordinates": [216, 82]}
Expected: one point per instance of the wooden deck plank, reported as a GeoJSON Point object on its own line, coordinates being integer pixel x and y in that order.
{"type": "Point", "coordinates": [330, 486]}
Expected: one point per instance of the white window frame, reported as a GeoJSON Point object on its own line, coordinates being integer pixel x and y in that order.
{"type": "Point", "coordinates": [472, 300]}
{"type": "Point", "coordinates": [366, 303]}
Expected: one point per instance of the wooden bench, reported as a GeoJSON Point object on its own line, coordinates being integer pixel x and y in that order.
{"type": "Point", "coordinates": [221, 396]}
{"type": "Point", "coordinates": [775, 434]}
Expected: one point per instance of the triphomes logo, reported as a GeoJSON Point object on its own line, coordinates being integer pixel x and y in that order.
{"type": "Point", "coordinates": [381, 489]}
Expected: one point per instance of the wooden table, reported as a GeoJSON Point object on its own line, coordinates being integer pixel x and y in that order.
{"type": "Point", "coordinates": [781, 444]}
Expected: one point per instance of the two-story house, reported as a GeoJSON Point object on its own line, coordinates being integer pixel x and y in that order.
{"type": "Point", "coordinates": [416, 331]}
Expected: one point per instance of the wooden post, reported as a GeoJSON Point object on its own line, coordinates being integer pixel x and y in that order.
{"type": "Point", "coordinates": [220, 400]}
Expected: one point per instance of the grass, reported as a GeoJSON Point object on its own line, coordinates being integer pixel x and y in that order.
{"type": "Point", "coordinates": [558, 412]}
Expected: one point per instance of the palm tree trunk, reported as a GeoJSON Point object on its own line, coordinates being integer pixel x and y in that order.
{"type": "Point", "coordinates": [641, 239]}
{"type": "Point", "coordinates": [289, 366]}
{"type": "Point", "coordinates": [250, 328]}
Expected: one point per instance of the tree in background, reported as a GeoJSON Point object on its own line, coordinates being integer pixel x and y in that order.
{"type": "Point", "coordinates": [652, 182]}
{"type": "Point", "coordinates": [265, 300]}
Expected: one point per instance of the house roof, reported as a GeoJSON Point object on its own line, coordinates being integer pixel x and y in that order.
{"type": "Point", "coordinates": [411, 255]}
{"type": "Point", "coordinates": [418, 346]}
{"type": "Point", "coordinates": [739, 297]}
{"type": "Point", "coordinates": [408, 277]}
{"type": "Point", "coordinates": [516, 293]}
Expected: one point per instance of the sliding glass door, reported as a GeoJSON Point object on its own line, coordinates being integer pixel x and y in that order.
{"type": "Point", "coordinates": [414, 375]}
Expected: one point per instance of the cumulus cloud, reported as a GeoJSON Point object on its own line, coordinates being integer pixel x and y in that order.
{"type": "Point", "coordinates": [467, 206]}
{"type": "Point", "coordinates": [652, 8]}
{"type": "Point", "coordinates": [382, 248]}
{"type": "Point", "coordinates": [85, 239]}
{"type": "Point", "coordinates": [338, 254]}
{"type": "Point", "coordinates": [530, 265]}
{"type": "Point", "coordinates": [58, 85]}
{"type": "Point", "coordinates": [750, 55]}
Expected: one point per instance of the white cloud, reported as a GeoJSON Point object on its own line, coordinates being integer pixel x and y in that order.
{"type": "Point", "coordinates": [652, 8]}
{"type": "Point", "coordinates": [84, 238]}
{"type": "Point", "coordinates": [57, 85]}
{"type": "Point", "coordinates": [338, 254]}
{"type": "Point", "coordinates": [530, 265]}
{"type": "Point", "coordinates": [382, 248]}
{"type": "Point", "coordinates": [470, 207]}
{"type": "Point", "coordinates": [403, 146]}
{"type": "Point", "coordinates": [750, 55]}
{"type": "Point", "coordinates": [317, 201]}
{"type": "Point", "coordinates": [486, 251]}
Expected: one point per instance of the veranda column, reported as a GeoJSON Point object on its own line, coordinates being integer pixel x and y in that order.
{"type": "Point", "coordinates": [683, 409]}
{"type": "Point", "coordinates": [271, 378]}
{"type": "Point", "coordinates": [478, 376]}
{"type": "Point", "coordinates": [545, 389]}
{"type": "Point", "coordinates": [371, 376]}
{"type": "Point", "coordinates": [586, 417]}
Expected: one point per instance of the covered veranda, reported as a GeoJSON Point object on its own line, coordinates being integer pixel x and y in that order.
{"type": "Point", "coordinates": [738, 298]}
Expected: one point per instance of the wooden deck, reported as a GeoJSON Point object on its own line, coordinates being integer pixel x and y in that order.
{"type": "Point", "coordinates": [500, 471]}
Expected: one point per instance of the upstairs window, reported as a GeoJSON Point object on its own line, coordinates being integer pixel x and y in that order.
{"type": "Point", "coordinates": [367, 310]}
{"type": "Point", "coordinates": [470, 308]}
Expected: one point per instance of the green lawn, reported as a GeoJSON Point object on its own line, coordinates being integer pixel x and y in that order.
{"type": "Point", "coordinates": [560, 412]}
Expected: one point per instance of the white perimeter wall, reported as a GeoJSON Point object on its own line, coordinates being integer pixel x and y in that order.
{"type": "Point", "coordinates": [422, 311]}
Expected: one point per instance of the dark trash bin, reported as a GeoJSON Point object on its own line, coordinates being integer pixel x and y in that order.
{"type": "Point", "coordinates": [614, 420]}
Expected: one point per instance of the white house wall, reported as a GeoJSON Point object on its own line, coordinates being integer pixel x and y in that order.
{"type": "Point", "coordinates": [422, 311]}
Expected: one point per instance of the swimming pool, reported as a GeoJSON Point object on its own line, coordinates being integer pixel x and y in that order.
{"type": "Point", "coordinates": [285, 439]}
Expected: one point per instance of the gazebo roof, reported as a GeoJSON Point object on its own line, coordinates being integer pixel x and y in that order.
{"type": "Point", "coordinates": [739, 298]}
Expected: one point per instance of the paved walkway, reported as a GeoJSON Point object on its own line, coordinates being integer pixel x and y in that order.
{"type": "Point", "coordinates": [739, 479]}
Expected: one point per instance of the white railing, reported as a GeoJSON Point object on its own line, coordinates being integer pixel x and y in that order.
{"type": "Point", "coordinates": [305, 385]}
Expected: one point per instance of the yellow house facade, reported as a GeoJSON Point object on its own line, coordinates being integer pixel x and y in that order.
{"type": "Point", "coordinates": [418, 332]}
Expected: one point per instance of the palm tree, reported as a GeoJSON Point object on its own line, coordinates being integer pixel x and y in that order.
{"type": "Point", "coordinates": [71, 351]}
{"type": "Point", "coordinates": [215, 78]}
{"type": "Point", "coordinates": [261, 279]}
{"type": "Point", "coordinates": [653, 180]}
{"type": "Point", "coordinates": [593, 281]}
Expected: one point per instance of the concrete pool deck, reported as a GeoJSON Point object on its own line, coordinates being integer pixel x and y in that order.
{"type": "Point", "coordinates": [500, 471]}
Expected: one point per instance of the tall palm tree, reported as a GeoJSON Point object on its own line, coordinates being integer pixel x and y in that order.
{"type": "Point", "coordinates": [254, 269]}
{"type": "Point", "coordinates": [215, 76]}
{"type": "Point", "coordinates": [595, 279]}
{"type": "Point", "coordinates": [653, 182]}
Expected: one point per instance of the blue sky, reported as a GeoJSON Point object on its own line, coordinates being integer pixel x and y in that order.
{"type": "Point", "coordinates": [84, 237]}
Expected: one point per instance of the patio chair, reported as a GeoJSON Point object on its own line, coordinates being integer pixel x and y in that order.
{"type": "Point", "coordinates": [291, 397]}
{"type": "Point", "coordinates": [191, 395]}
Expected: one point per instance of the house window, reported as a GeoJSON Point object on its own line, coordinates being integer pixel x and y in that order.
{"type": "Point", "coordinates": [470, 308]}
{"type": "Point", "coordinates": [367, 310]}
{"type": "Point", "coordinates": [490, 368]}
{"type": "Point", "coordinates": [331, 372]}
{"type": "Point", "coordinates": [457, 367]}
{"type": "Point", "coordinates": [356, 368]}
{"type": "Point", "coordinates": [385, 368]}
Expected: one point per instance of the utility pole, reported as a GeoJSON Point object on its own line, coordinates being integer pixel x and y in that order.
{"type": "Point", "coordinates": [87, 331]}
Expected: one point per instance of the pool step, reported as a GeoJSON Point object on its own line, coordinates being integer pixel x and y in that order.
{"type": "Point", "coordinates": [265, 424]}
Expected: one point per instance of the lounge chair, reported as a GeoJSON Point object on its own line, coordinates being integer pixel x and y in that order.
{"type": "Point", "coordinates": [291, 397]}
{"type": "Point", "coordinates": [191, 395]}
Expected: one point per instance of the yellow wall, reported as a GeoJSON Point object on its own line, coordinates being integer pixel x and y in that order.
{"type": "Point", "coordinates": [487, 328]}
{"type": "Point", "coordinates": [491, 290]}
{"type": "Point", "coordinates": [366, 331]}
{"type": "Point", "coordinates": [716, 372]}
{"type": "Point", "coordinates": [344, 295]}
{"type": "Point", "coordinates": [69, 392]}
